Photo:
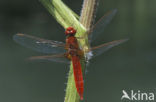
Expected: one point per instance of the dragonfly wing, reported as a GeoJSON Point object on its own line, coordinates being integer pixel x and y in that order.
{"type": "Point", "coordinates": [98, 50]}
{"type": "Point", "coordinates": [55, 58]}
{"type": "Point", "coordinates": [98, 28]}
{"type": "Point", "coordinates": [39, 44]}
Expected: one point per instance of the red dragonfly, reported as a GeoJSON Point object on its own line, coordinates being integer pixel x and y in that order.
{"type": "Point", "coordinates": [69, 51]}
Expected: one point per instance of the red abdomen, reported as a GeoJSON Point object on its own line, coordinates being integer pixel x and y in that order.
{"type": "Point", "coordinates": [78, 76]}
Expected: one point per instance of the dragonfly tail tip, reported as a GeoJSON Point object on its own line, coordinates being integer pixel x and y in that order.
{"type": "Point", "coordinates": [81, 97]}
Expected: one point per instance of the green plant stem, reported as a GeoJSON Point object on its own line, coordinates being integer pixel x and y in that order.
{"type": "Point", "coordinates": [88, 13]}
{"type": "Point", "coordinates": [86, 19]}
{"type": "Point", "coordinates": [66, 17]}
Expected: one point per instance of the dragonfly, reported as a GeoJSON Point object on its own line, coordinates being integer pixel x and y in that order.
{"type": "Point", "coordinates": [69, 51]}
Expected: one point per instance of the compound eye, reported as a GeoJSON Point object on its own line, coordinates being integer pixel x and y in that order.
{"type": "Point", "coordinates": [71, 31]}
{"type": "Point", "coordinates": [66, 32]}
{"type": "Point", "coordinates": [74, 31]}
{"type": "Point", "coordinates": [70, 28]}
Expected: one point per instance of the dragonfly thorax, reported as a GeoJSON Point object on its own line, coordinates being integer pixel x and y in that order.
{"type": "Point", "coordinates": [70, 31]}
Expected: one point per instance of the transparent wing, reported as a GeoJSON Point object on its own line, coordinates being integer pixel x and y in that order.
{"type": "Point", "coordinates": [55, 58]}
{"type": "Point", "coordinates": [98, 28]}
{"type": "Point", "coordinates": [40, 45]}
{"type": "Point", "coordinates": [98, 50]}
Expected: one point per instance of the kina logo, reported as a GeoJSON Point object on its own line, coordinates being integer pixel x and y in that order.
{"type": "Point", "coordinates": [137, 95]}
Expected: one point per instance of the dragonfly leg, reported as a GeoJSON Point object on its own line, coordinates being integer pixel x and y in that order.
{"type": "Point", "coordinates": [80, 53]}
{"type": "Point", "coordinates": [68, 56]}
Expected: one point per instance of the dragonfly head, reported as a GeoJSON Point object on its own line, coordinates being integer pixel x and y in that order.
{"type": "Point", "coordinates": [70, 31]}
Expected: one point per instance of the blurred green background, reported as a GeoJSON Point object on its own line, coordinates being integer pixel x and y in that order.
{"type": "Point", "coordinates": [131, 65]}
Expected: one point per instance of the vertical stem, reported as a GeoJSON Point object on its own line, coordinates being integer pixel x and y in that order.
{"type": "Point", "coordinates": [86, 19]}
{"type": "Point", "coordinates": [88, 13]}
